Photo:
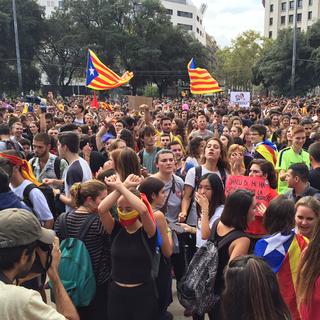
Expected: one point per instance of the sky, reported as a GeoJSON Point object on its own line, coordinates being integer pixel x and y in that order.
{"type": "Point", "coordinates": [226, 19]}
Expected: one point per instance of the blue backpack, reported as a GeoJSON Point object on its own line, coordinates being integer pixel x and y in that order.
{"type": "Point", "coordinates": [75, 268]}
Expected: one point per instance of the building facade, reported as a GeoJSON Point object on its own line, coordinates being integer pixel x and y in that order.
{"type": "Point", "coordinates": [185, 14]}
{"type": "Point", "coordinates": [279, 14]}
{"type": "Point", "coordinates": [50, 5]}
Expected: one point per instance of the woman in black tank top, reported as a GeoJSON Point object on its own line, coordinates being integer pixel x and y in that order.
{"type": "Point", "coordinates": [238, 211]}
{"type": "Point", "coordinates": [133, 240]}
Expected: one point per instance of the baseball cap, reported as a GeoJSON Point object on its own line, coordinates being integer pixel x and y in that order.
{"type": "Point", "coordinates": [19, 227]}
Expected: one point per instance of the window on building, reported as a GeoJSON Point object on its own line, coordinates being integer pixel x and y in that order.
{"type": "Point", "coordinates": [291, 5]}
{"type": "Point", "coordinates": [291, 18]}
{"type": "Point", "coordinates": [283, 6]}
{"type": "Point", "coordinates": [186, 27]}
{"type": "Point", "coordinates": [271, 7]}
{"type": "Point", "coordinates": [197, 30]}
{"type": "Point", "coordinates": [169, 11]}
{"type": "Point", "coordinates": [270, 34]}
{"type": "Point", "coordinates": [283, 19]}
{"type": "Point", "coordinates": [310, 2]}
{"type": "Point", "coordinates": [270, 21]}
{"type": "Point", "coordinates": [299, 3]}
{"type": "Point", "coordinates": [198, 18]}
{"type": "Point", "coordinates": [309, 15]}
{"type": "Point", "coordinates": [185, 14]}
{"type": "Point", "coordinates": [61, 4]}
{"type": "Point", "coordinates": [299, 17]}
{"type": "Point", "coordinates": [201, 22]}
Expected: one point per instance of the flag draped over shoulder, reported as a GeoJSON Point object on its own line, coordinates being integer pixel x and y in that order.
{"type": "Point", "coordinates": [282, 252]}
{"type": "Point", "coordinates": [268, 151]}
{"type": "Point", "coordinates": [201, 82]}
{"type": "Point", "coordinates": [100, 77]}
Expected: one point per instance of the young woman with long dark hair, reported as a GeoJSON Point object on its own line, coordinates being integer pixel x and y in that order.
{"type": "Point", "coordinates": [237, 213]}
{"type": "Point", "coordinates": [153, 188]}
{"type": "Point", "coordinates": [252, 291]}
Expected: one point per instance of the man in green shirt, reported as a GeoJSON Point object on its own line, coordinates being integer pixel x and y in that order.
{"type": "Point", "coordinates": [291, 155]}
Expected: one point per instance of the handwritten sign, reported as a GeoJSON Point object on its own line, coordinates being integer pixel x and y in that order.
{"type": "Point", "coordinates": [263, 192]}
{"type": "Point", "coordinates": [134, 102]}
{"type": "Point", "coordinates": [258, 185]}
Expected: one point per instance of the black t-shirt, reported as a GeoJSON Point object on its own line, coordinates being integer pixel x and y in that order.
{"type": "Point", "coordinates": [314, 178]}
{"type": "Point", "coordinates": [131, 263]}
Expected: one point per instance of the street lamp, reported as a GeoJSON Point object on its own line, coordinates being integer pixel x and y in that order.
{"type": "Point", "coordinates": [16, 38]}
{"type": "Point", "coordinates": [294, 47]}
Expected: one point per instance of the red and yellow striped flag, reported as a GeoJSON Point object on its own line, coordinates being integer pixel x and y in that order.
{"type": "Point", "coordinates": [287, 275]}
{"type": "Point", "coordinates": [100, 77]}
{"type": "Point", "coordinates": [201, 82]}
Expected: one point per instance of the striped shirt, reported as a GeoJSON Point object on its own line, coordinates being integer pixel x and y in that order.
{"type": "Point", "coordinates": [97, 242]}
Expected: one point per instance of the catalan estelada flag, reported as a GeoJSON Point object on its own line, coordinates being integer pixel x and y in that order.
{"type": "Point", "coordinates": [268, 151]}
{"type": "Point", "coordinates": [282, 252]}
{"type": "Point", "coordinates": [287, 275]}
{"type": "Point", "coordinates": [201, 82]}
{"type": "Point", "coordinates": [100, 77]}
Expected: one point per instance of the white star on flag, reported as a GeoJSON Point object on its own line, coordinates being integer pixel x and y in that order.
{"type": "Point", "coordinates": [276, 243]}
{"type": "Point", "coordinates": [91, 71]}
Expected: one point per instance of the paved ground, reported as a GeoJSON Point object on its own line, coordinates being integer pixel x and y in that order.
{"type": "Point", "coordinates": [175, 308]}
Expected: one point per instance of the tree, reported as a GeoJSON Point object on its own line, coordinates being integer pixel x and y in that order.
{"type": "Point", "coordinates": [234, 63]}
{"type": "Point", "coordinates": [61, 54]}
{"type": "Point", "coordinates": [273, 69]}
{"type": "Point", "coordinates": [30, 20]}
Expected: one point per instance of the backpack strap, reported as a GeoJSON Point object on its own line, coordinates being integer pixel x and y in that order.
{"type": "Point", "coordinates": [152, 257]}
{"type": "Point", "coordinates": [231, 236]}
{"type": "Point", "coordinates": [26, 194]}
{"type": "Point", "coordinates": [56, 167]}
{"type": "Point", "coordinates": [86, 226]}
{"type": "Point", "coordinates": [223, 176]}
{"type": "Point", "coordinates": [197, 177]}
{"type": "Point", "coordinates": [63, 225]}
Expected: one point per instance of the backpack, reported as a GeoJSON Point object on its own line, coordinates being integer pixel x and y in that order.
{"type": "Point", "coordinates": [56, 166]}
{"type": "Point", "coordinates": [195, 291]}
{"type": "Point", "coordinates": [46, 191]}
{"type": "Point", "coordinates": [197, 178]}
{"type": "Point", "coordinates": [75, 268]}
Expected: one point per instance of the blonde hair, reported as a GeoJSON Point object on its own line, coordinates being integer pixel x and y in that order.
{"type": "Point", "coordinates": [234, 148]}
{"type": "Point", "coordinates": [81, 191]}
{"type": "Point", "coordinates": [311, 203]}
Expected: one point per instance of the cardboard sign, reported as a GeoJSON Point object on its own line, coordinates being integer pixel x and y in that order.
{"type": "Point", "coordinates": [258, 185]}
{"type": "Point", "coordinates": [240, 98]}
{"type": "Point", "coordinates": [135, 101]}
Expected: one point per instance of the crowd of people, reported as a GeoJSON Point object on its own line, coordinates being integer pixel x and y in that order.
{"type": "Point", "coordinates": [130, 196]}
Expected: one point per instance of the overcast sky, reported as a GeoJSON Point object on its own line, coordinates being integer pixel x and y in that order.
{"type": "Point", "coordinates": [226, 19]}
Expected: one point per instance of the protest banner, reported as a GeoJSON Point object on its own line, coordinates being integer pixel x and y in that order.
{"type": "Point", "coordinates": [263, 192]}
{"type": "Point", "coordinates": [240, 98]}
{"type": "Point", "coordinates": [258, 185]}
{"type": "Point", "coordinates": [135, 101]}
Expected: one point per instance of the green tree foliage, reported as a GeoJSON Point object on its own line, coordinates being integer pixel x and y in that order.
{"type": "Point", "coordinates": [273, 69]}
{"type": "Point", "coordinates": [30, 20]}
{"type": "Point", "coordinates": [234, 63]}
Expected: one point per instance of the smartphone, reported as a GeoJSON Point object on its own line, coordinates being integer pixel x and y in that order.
{"type": "Point", "coordinates": [175, 227]}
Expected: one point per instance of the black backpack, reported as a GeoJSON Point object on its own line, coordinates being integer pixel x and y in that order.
{"type": "Point", "coordinates": [195, 290]}
{"type": "Point", "coordinates": [46, 191]}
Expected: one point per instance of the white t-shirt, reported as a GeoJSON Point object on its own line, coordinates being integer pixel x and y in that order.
{"type": "Point", "coordinates": [190, 177]}
{"type": "Point", "coordinates": [78, 171]}
{"type": "Point", "coordinates": [21, 303]}
{"type": "Point", "coordinates": [216, 215]}
{"type": "Point", "coordinates": [39, 201]}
